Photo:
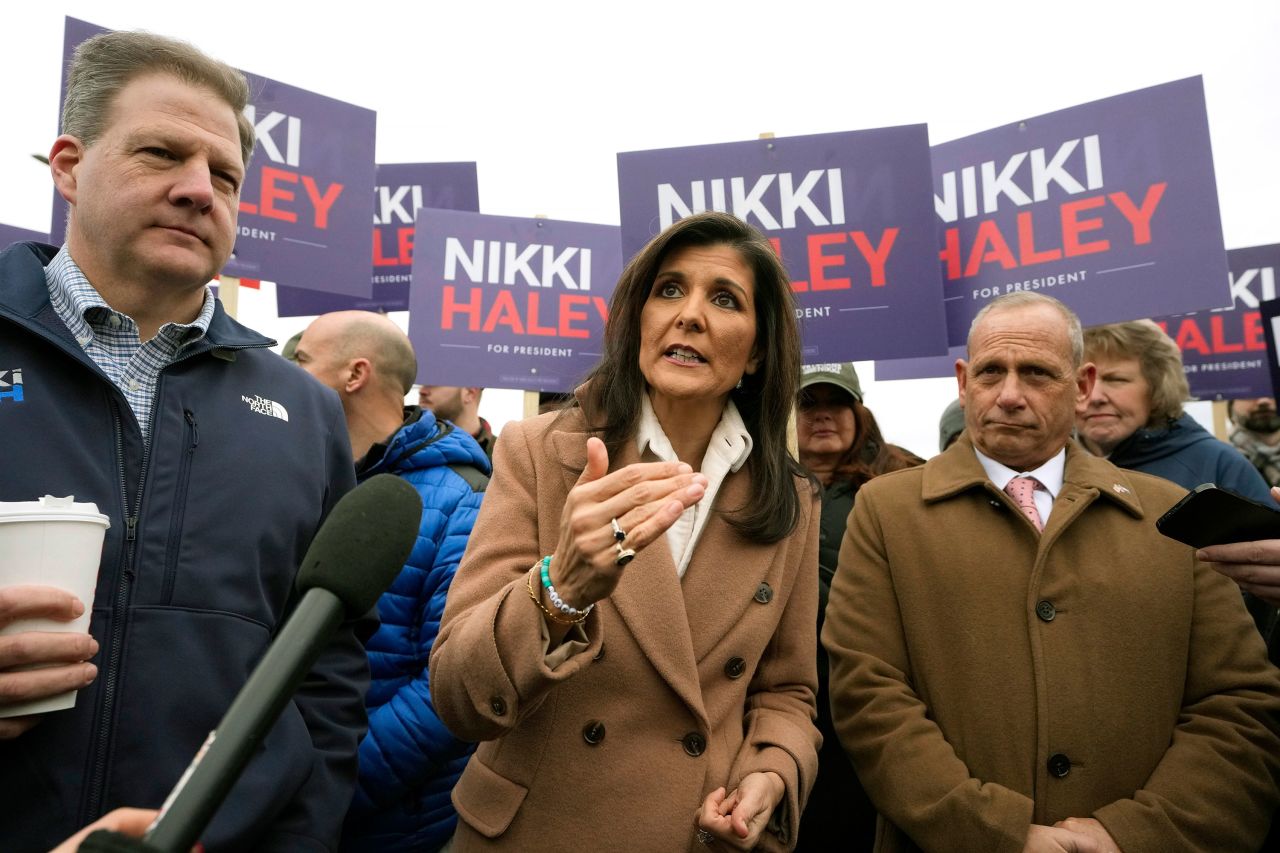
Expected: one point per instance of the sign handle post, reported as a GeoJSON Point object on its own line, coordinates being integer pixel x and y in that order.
{"type": "Point", "coordinates": [1221, 423]}
{"type": "Point", "coordinates": [229, 294]}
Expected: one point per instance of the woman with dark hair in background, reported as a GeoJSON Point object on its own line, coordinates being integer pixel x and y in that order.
{"type": "Point", "coordinates": [631, 633]}
{"type": "Point", "coordinates": [840, 444]}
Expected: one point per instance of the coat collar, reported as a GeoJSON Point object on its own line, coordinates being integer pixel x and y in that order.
{"type": "Point", "coordinates": [22, 271]}
{"type": "Point", "coordinates": [676, 623]}
{"type": "Point", "coordinates": [1086, 476]}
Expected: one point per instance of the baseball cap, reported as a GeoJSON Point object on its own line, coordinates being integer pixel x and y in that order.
{"type": "Point", "coordinates": [842, 375]}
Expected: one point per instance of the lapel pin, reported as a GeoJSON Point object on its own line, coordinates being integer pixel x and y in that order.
{"type": "Point", "coordinates": [1120, 490]}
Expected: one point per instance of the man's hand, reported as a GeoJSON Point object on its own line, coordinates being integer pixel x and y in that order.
{"type": "Point", "coordinates": [130, 822]}
{"type": "Point", "coordinates": [1059, 839]}
{"type": "Point", "coordinates": [62, 658]}
{"type": "Point", "coordinates": [1255, 566]}
{"type": "Point", "coordinates": [1090, 828]}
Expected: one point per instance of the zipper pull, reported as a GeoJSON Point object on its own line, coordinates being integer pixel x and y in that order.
{"type": "Point", "coordinates": [195, 432]}
{"type": "Point", "coordinates": [131, 528]}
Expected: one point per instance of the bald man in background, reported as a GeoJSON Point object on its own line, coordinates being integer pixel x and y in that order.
{"type": "Point", "coordinates": [409, 762]}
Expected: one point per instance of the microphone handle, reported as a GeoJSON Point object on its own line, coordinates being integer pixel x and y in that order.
{"type": "Point", "coordinates": [215, 768]}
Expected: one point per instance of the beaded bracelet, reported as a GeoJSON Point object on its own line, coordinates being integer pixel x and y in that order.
{"type": "Point", "coordinates": [566, 609]}
{"type": "Point", "coordinates": [538, 601]}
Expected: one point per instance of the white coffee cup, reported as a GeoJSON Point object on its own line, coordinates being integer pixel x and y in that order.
{"type": "Point", "coordinates": [51, 542]}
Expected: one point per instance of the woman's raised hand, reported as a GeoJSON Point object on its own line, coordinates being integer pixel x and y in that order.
{"type": "Point", "coordinates": [645, 498]}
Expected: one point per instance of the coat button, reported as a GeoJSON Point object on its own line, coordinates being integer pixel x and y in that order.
{"type": "Point", "coordinates": [593, 732]}
{"type": "Point", "coordinates": [498, 706]}
{"type": "Point", "coordinates": [1046, 611]}
{"type": "Point", "coordinates": [1059, 765]}
{"type": "Point", "coordinates": [735, 667]}
{"type": "Point", "coordinates": [694, 744]}
{"type": "Point", "coordinates": [764, 593]}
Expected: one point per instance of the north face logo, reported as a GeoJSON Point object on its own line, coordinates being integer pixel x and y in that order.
{"type": "Point", "coordinates": [11, 385]}
{"type": "Point", "coordinates": [263, 406]}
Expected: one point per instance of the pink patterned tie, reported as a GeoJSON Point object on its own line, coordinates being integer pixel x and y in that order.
{"type": "Point", "coordinates": [1022, 490]}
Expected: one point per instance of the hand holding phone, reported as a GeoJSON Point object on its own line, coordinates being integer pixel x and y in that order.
{"type": "Point", "coordinates": [1254, 563]}
{"type": "Point", "coordinates": [1212, 516]}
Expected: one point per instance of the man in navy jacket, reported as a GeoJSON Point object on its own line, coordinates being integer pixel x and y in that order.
{"type": "Point", "coordinates": [409, 761]}
{"type": "Point", "coordinates": [215, 461]}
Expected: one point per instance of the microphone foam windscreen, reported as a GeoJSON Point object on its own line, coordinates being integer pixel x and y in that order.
{"type": "Point", "coordinates": [364, 542]}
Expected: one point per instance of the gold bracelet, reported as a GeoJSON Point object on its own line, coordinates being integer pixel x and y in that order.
{"type": "Point", "coordinates": [553, 617]}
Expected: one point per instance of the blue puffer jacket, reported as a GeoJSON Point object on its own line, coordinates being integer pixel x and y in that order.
{"type": "Point", "coordinates": [409, 762]}
{"type": "Point", "coordinates": [1188, 455]}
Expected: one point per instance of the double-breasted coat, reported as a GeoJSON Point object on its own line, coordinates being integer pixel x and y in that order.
{"type": "Point", "coordinates": [684, 685]}
{"type": "Point", "coordinates": [985, 677]}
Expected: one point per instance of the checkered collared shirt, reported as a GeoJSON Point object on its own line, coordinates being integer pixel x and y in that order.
{"type": "Point", "coordinates": [111, 338]}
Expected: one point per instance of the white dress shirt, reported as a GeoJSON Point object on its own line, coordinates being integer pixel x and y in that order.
{"type": "Point", "coordinates": [1049, 474]}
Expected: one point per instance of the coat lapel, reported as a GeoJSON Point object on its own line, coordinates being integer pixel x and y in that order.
{"type": "Point", "coordinates": [725, 572]}
{"type": "Point", "coordinates": [648, 598]}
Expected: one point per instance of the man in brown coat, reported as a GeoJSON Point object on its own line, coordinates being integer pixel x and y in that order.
{"type": "Point", "coordinates": [1036, 668]}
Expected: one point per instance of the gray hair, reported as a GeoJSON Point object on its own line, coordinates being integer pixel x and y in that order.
{"type": "Point", "coordinates": [103, 65]}
{"type": "Point", "coordinates": [1030, 299]}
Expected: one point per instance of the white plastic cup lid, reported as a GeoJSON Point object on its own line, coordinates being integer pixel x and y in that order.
{"type": "Point", "coordinates": [50, 508]}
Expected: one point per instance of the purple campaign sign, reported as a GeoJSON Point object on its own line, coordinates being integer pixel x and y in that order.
{"type": "Point", "coordinates": [850, 214]}
{"type": "Point", "coordinates": [1270, 313]}
{"type": "Point", "coordinates": [1224, 351]}
{"type": "Point", "coordinates": [307, 199]}
{"type": "Point", "coordinates": [928, 367]}
{"type": "Point", "coordinates": [402, 188]}
{"type": "Point", "coordinates": [10, 234]}
{"type": "Point", "coordinates": [503, 302]}
{"type": "Point", "coordinates": [1110, 206]}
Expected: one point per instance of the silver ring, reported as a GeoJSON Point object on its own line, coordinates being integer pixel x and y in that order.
{"type": "Point", "coordinates": [625, 555]}
{"type": "Point", "coordinates": [705, 837]}
{"type": "Point", "coordinates": [618, 533]}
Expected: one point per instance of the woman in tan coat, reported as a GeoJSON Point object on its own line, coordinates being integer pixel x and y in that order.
{"type": "Point", "coordinates": [631, 633]}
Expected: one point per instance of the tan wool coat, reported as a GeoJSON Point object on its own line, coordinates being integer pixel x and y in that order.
{"type": "Point", "coordinates": [684, 686]}
{"type": "Point", "coordinates": [985, 677]}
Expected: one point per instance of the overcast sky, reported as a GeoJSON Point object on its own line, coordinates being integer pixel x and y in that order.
{"type": "Point", "coordinates": [543, 95]}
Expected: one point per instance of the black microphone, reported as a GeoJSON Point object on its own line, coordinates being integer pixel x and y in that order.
{"type": "Point", "coordinates": [354, 557]}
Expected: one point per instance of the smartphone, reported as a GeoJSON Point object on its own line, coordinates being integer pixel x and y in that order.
{"type": "Point", "coordinates": [1212, 516]}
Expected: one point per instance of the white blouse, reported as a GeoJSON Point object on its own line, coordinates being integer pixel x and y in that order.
{"type": "Point", "coordinates": [727, 451]}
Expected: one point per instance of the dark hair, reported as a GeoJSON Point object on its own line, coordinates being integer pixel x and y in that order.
{"type": "Point", "coordinates": [610, 399]}
{"type": "Point", "coordinates": [869, 456]}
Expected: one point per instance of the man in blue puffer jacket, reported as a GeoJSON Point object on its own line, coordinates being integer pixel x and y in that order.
{"type": "Point", "coordinates": [409, 762]}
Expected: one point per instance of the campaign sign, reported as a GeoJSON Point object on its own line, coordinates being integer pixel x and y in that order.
{"type": "Point", "coordinates": [925, 367]}
{"type": "Point", "coordinates": [1270, 313]}
{"type": "Point", "coordinates": [10, 234]}
{"type": "Point", "coordinates": [1110, 206]}
{"type": "Point", "coordinates": [504, 302]}
{"type": "Point", "coordinates": [401, 189]}
{"type": "Point", "coordinates": [307, 199]}
{"type": "Point", "coordinates": [850, 214]}
{"type": "Point", "coordinates": [1224, 351]}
